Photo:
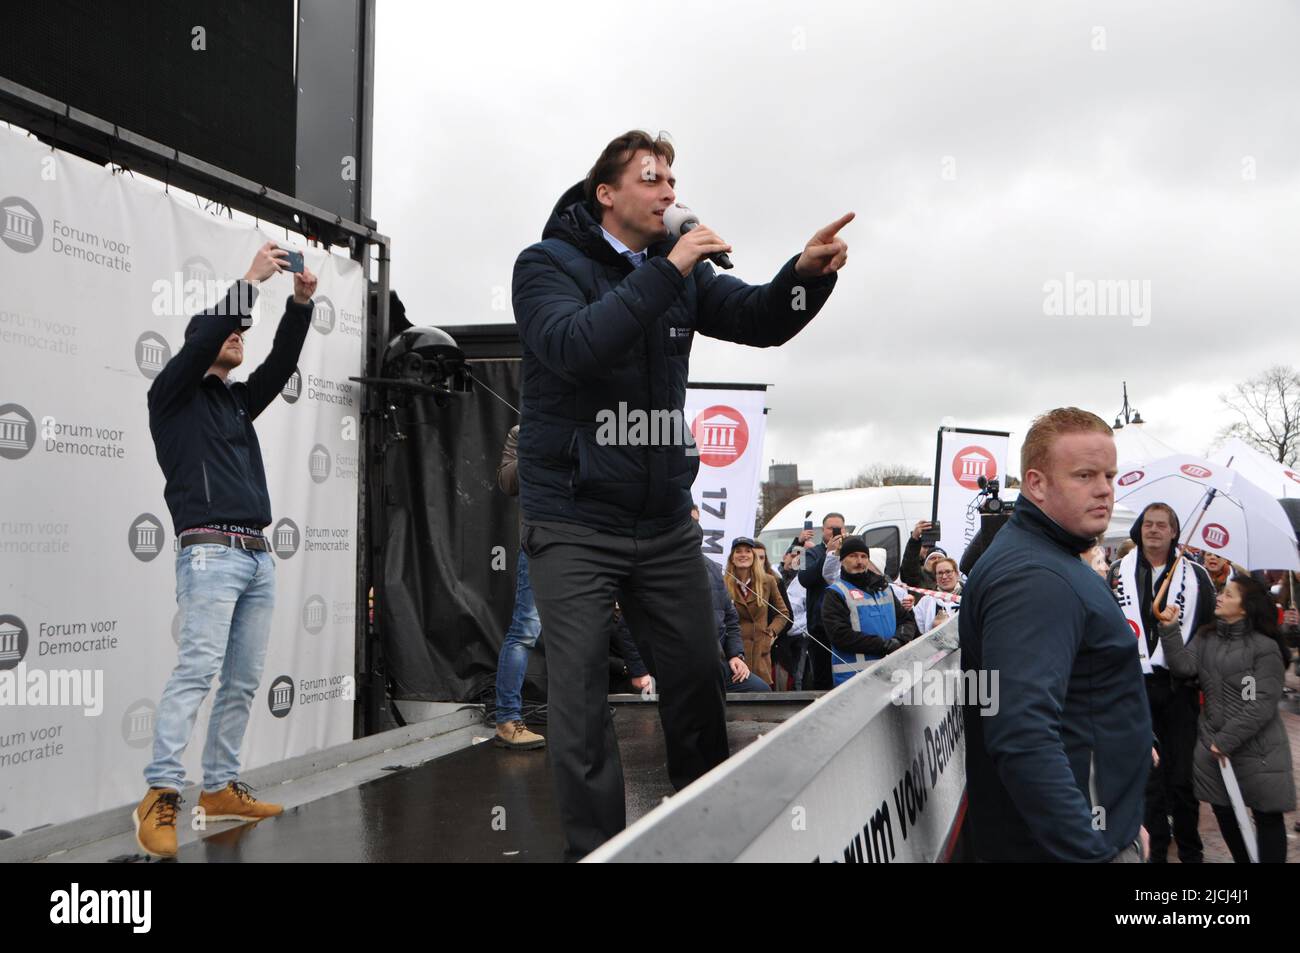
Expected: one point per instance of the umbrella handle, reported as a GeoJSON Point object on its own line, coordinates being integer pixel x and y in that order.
{"type": "Point", "coordinates": [1164, 587]}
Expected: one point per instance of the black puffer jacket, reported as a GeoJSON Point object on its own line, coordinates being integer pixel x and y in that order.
{"type": "Point", "coordinates": [1241, 674]}
{"type": "Point", "coordinates": [598, 335]}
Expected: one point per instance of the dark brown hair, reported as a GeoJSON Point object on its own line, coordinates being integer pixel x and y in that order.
{"type": "Point", "coordinates": [615, 157]}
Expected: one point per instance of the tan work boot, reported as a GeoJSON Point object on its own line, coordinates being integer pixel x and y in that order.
{"type": "Point", "coordinates": [235, 802]}
{"type": "Point", "coordinates": [515, 734]}
{"type": "Point", "coordinates": [155, 822]}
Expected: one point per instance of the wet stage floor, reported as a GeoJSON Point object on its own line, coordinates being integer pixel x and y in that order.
{"type": "Point", "coordinates": [479, 804]}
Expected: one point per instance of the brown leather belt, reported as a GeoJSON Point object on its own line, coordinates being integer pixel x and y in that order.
{"type": "Point", "coordinates": [226, 539]}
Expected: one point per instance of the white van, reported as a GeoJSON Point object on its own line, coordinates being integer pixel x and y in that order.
{"type": "Point", "coordinates": [884, 517]}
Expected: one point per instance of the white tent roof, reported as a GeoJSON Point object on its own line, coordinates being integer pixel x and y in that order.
{"type": "Point", "coordinates": [1134, 444]}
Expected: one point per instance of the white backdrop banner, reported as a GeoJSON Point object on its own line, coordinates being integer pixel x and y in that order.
{"type": "Point", "coordinates": [965, 456]}
{"type": "Point", "coordinates": [99, 274]}
{"type": "Point", "coordinates": [728, 428]}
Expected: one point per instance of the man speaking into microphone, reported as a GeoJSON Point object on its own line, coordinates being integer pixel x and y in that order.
{"type": "Point", "coordinates": [608, 304]}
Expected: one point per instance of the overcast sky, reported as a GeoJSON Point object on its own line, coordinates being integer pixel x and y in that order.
{"type": "Point", "coordinates": [987, 148]}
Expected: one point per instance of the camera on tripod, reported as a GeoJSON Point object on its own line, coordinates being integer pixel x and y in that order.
{"type": "Point", "coordinates": [992, 503]}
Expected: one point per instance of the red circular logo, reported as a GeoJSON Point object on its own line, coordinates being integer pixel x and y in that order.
{"type": "Point", "coordinates": [1292, 475]}
{"type": "Point", "coordinates": [971, 463]}
{"type": "Point", "coordinates": [1131, 477]}
{"type": "Point", "coordinates": [1137, 633]}
{"type": "Point", "coordinates": [1195, 470]}
{"type": "Point", "coordinates": [721, 435]}
{"type": "Point", "coordinates": [1215, 535]}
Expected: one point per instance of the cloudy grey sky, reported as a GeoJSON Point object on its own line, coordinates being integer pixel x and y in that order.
{"type": "Point", "coordinates": [988, 149]}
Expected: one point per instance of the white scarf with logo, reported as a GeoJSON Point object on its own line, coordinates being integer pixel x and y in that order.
{"type": "Point", "coordinates": [1182, 592]}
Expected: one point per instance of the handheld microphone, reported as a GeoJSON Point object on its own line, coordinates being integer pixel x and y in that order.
{"type": "Point", "coordinates": [681, 220]}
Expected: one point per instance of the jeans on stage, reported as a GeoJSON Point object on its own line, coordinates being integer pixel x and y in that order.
{"type": "Point", "coordinates": [512, 665]}
{"type": "Point", "coordinates": [225, 597]}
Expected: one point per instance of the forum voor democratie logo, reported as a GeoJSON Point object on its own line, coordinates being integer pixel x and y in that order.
{"type": "Point", "coordinates": [322, 315]}
{"type": "Point", "coordinates": [23, 228]}
{"type": "Point", "coordinates": [279, 698]}
{"type": "Point", "coordinates": [292, 388]}
{"type": "Point", "coordinates": [285, 538]}
{"type": "Point", "coordinates": [318, 463]}
{"type": "Point", "coordinates": [17, 431]}
{"type": "Point", "coordinates": [152, 352]}
{"type": "Point", "coordinates": [13, 641]}
{"type": "Point", "coordinates": [971, 463]}
{"type": "Point", "coordinates": [146, 537]}
{"type": "Point", "coordinates": [314, 612]}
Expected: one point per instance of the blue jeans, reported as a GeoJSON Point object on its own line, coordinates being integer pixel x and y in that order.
{"type": "Point", "coordinates": [225, 597]}
{"type": "Point", "coordinates": [512, 665]}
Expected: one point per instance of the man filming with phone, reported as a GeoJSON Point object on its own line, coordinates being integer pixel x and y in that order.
{"type": "Point", "coordinates": [202, 427]}
{"type": "Point", "coordinates": [608, 304]}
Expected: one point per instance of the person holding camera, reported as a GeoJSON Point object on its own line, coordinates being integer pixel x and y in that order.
{"type": "Point", "coordinates": [915, 569]}
{"type": "Point", "coordinates": [813, 580]}
{"type": "Point", "coordinates": [202, 428]}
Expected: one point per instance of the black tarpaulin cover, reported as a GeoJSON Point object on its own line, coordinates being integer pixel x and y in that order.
{"type": "Point", "coordinates": [445, 580]}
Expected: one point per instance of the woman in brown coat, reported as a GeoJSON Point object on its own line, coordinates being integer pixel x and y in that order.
{"type": "Point", "coordinates": [1240, 663]}
{"type": "Point", "coordinates": [758, 602]}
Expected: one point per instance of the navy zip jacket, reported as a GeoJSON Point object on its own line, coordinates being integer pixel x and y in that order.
{"type": "Point", "coordinates": [600, 337]}
{"type": "Point", "coordinates": [203, 428]}
{"type": "Point", "coordinates": [1072, 714]}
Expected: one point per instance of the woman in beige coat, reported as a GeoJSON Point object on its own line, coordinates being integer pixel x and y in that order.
{"type": "Point", "coordinates": [763, 613]}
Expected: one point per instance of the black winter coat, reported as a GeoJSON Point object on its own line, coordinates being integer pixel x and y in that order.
{"type": "Point", "coordinates": [601, 340]}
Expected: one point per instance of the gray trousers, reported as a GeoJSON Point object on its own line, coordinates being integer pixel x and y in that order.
{"type": "Point", "coordinates": [577, 573]}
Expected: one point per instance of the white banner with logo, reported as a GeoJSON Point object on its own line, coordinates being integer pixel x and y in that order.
{"type": "Point", "coordinates": [99, 274]}
{"type": "Point", "coordinates": [965, 456]}
{"type": "Point", "coordinates": [728, 426]}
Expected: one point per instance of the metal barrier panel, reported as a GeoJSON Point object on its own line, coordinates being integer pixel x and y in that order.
{"type": "Point", "coordinates": [871, 772]}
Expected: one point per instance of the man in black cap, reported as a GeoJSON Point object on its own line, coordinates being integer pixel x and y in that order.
{"type": "Point", "coordinates": [861, 614]}
{"type": "Point", "coordinates": [202, 427]}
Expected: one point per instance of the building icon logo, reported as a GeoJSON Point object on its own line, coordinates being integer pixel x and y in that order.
{"type": "Point", "coordinates": [292, 388]}
{"type": "Point", "coordinates": [313, 615]}
{"type": "Point", "coordinates": [1196, 470]}
{"type": "Point", "coordinates": [13, 641]}
{"type": "Point", "coordinates": [138, 722]}
{"type": "Point", "coordinates": [146, 537]}
{"type": "Point", "coordinates": [22, 229]}
{"type": "Point", "coordinates": [198, 269]}
{"type": "Point", "coordinates": [17, 431]}
{"type": "Point", "coordinates": [1216, 535]}
{"type": "Point", "coordinates": [721, 435]}
{"type": "Point", "coordinates": [971, 463]}
{"type": "Point", "coordinates": [322, 315]}
{"type": "Point", "coordinates": [285, 538]}
{"type": "Point", "coordinates": [152, 352]}
{"type": "Point", "coordinates": [280, 697]}
{"type": "Point", "coordinates": [1131, 477]}
{"type": "Point", "coordinates": [319, 463]}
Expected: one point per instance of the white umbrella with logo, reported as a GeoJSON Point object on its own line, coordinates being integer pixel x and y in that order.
{"type": "Point", "coordinates": [1219, 509]}
{"type": "Point", "coordinates": [1275, 478]}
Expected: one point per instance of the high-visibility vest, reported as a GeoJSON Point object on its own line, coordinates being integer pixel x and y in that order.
{"type": "Point", "coordinates": [870, 613]}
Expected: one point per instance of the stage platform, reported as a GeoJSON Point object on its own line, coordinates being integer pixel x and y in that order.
{"type": "Point", "coordinates": [438, 791]}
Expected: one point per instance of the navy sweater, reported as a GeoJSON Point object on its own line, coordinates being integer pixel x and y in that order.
{"type": "Point", "coordinates": [203, 428]}
{"type": "Point", "coordinates": [1071, 703]}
